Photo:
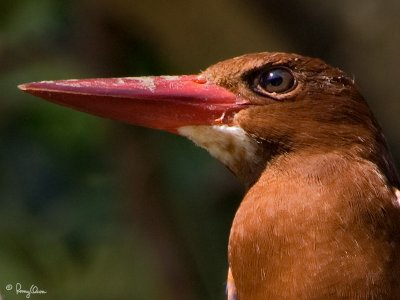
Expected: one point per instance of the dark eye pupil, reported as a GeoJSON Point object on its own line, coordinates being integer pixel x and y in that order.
{"type": "Point", "coordinates": [278, 80]}
{"type": "Point", "coordinates": [274, 79]}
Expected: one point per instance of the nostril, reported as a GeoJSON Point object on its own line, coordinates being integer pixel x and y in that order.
{"type": "Point", "coordinates": [200, 80]}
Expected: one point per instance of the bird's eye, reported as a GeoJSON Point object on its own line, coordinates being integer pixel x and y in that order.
{"type": "Point", "coordinates": [276, 80]}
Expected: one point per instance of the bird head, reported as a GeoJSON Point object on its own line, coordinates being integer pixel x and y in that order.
{"type": "Point", "coordinates": [245, 111]}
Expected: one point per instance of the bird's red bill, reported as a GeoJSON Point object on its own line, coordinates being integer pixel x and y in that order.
{"type": "Point", "coordinates": [163, 102]}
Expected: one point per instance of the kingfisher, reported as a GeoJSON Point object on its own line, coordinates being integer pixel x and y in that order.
{"type": "Point", "coordinates": [320, 218]}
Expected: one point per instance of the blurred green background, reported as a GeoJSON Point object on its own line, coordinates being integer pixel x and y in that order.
{"type": "Point", "coordinates": [95, 209]}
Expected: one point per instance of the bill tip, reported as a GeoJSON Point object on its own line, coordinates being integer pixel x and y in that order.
{"type": "Point", "coordinates": [23, 87]}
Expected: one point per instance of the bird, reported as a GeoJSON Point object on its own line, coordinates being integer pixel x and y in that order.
{"type": "Point", "coordinates": [320, 217]}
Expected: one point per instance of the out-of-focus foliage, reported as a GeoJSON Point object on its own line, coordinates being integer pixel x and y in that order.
{"type": "Point", "coordinates": [93, 209]}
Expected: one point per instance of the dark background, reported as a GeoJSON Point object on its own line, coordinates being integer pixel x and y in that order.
{"type": "Point", "coordinates": [95, 209]}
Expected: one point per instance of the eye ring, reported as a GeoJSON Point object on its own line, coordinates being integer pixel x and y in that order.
{"type": "Point", "coordinates": [276, 80]}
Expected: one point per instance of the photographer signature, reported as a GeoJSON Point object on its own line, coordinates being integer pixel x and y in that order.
{"type": "Point", "coordinates": [33, 290]}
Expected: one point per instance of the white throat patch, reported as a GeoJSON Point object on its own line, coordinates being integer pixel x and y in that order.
{"type": "Point", "coordinates": [231, 145]}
